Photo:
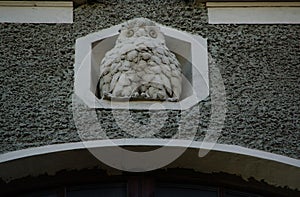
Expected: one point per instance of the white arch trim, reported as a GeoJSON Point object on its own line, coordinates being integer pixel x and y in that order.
{"type": "Point", "coordinates": [274, 169]}
{"type": "Point", "coordinates": [29, 152]}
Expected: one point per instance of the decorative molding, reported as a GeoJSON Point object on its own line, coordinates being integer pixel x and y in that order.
{"type": "Point", "coordinates": [36, 4]}
{"type": "Point", "coordinates": [29, 152]}
{"type": "Point", "coordinates": [36, 11]}
{"type": "Point", "coordinates": [248, 163]}
{"type": "Point", "coordinates": [252, 4]}
{"type": "Point", "coordinates": [253, 12]}
{"type": "Point", "coordinates": [190, 49]}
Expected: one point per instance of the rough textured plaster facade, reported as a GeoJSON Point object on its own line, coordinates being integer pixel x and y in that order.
{"type": "Point", "coordinates": [259, 65]}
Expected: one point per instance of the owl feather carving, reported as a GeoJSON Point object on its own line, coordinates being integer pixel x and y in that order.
{"type": "Point", "coordinates": [140, 66]}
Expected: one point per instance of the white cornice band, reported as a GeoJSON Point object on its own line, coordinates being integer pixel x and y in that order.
{"type": "Point", "coordinates": [253, 12]}
{"type": "Point", "coordinates": [36, 4]}
{"type": "Point", "coordinates": [36, 11]}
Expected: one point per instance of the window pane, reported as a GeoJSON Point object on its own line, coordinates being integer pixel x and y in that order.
{"type": "Point", "coordinates": [41, 194]}
{"type": "Point", "coordinates": [185, 191]}
{"type": "Point", "coordinates": [230, 193]}
{"type": "Point", "coordinates": [99, 191]}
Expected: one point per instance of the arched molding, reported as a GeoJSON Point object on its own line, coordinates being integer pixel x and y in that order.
{"type": "Point", "coordinates": [276, 170]}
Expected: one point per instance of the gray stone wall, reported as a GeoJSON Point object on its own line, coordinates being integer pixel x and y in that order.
{"type": "Point", "coordinates": [259, 64]}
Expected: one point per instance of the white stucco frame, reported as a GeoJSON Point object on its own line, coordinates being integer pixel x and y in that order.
{"type": "Point", "coordinates": [90, 50]}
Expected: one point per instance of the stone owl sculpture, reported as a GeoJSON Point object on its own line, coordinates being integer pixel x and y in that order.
{"type": "Point", "coordinates": [140, 66]}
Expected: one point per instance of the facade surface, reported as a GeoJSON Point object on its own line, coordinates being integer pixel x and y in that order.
{"type": "Point", "coordinates": [259, 66]}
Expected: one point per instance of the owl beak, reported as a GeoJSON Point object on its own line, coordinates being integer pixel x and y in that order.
{"type": "Point", "coordinates": [140, 32]}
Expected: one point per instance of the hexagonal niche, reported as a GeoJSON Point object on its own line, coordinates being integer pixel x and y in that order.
{"type": "Point", "coordinates": [191, 51]}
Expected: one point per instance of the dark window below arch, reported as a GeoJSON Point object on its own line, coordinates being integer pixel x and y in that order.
{"type": "Point", "coordinates": [135, 188]}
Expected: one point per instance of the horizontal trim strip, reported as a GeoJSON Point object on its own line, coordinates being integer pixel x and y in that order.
{"type": "Point", "coordinates": [36, 3]}
{"type": "Point", "coordinates": [254, 15]}
{"type": "Point", "coordinates": [252, 4]}
{"type": "Point", "coordinates": [36, 14]}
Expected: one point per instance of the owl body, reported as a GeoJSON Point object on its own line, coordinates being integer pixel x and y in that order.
{"type": "Point", "coordinates": [140, 66]}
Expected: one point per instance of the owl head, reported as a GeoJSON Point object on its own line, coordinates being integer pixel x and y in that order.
{"type": "Point", "coordinates": [140, 28]}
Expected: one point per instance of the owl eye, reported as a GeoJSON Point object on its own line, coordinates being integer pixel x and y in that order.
{"type": "Point", "coordinates": [153, 33]}
{"type": "Point", "coordinates": [129, 33]}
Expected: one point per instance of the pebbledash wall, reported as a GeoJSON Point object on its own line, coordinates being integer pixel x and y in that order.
{"type": "Point", "coordinates": [259, 65]}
